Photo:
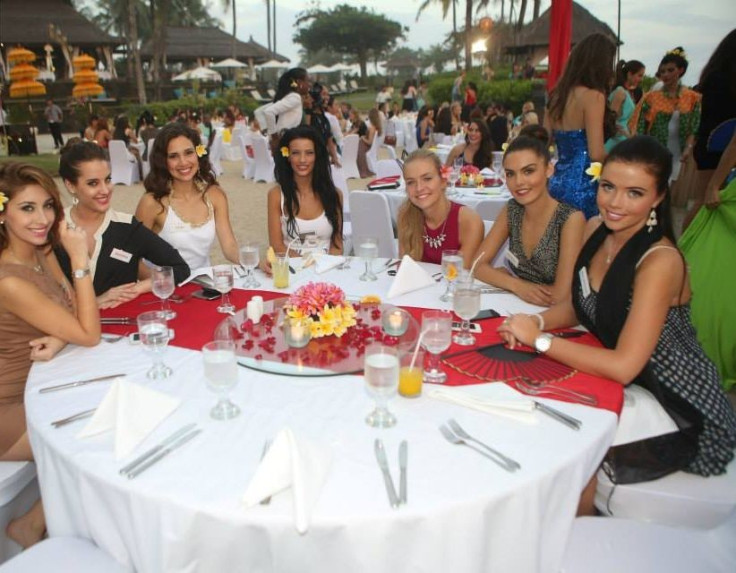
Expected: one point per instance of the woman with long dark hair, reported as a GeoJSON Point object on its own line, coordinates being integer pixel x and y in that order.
{"type": "Point", "coordinates": [183, 203]}
{"type": "Point", "coordinates": [577, 118]}
{"type": "Point", "coordinates": [628, 78]}
{"type": "Point", "coordinates": [286, 110]}
{"type": "Point", "coordinates": [478, 146]}
{"type": "Point", "coordinates": [40, 312]}
{"type": "Point", "coordinates": [306, 201]}
{"type": "Point", "coordinates": [425, 125]}
{"type": "Point", "coordinates": [631, 289]}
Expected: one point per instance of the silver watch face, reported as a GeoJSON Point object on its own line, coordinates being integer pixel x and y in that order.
{"type": "Point", "coordinates": [543, 342]}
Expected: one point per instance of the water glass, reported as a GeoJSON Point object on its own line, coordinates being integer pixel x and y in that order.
{"type": "Point", "coordinates": [154, 333]}
{"type": "Point", "coordinates": [367, 249]}
{"type": "Point", "coordinates": [221, 372]}
{"type": "Point", "coordinates": [163, 285]}
{"type": "Point", "coordinates": [249, 259]}
{"type": "Point", "coordinates": [453, 177]}
{"type": "Point", "coordinates": [223, 282]}
{"type": "Point", "coordinates": [381, 370]}
{"type": "Point", "coordinates": [452, 266]}
{"type": "Point", "coordinates": [436, 338]}
{"type": "Point", "coordinates": [466, 305]}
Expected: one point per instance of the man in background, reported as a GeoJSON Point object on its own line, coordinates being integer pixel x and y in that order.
{"type": "Point", "coordinates": [54, 117]}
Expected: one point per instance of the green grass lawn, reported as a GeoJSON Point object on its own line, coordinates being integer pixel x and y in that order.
{"type": "Point", "coordinates": [49, 162]}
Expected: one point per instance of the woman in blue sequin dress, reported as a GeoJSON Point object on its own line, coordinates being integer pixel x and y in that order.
{"type": "Point", "coordinates": [576, 114]}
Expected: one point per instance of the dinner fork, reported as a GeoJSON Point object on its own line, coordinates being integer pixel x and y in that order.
{"type": "Point", "coordinates": [266, 447]}
{"type": "Point", "coordinates": [458, 441]}
{"type": "Point", "coordinates": [529, 387]}
{"type": "Point", "coordinates": [465, 436]}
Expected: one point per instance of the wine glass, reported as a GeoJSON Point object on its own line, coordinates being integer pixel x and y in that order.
{"type": "Point", "coordinates": [381, 370]}
{"type": "Point", "coordinates": [436, 338]}
{"type": "Point", "coordinates": [497, 163]}
{"type": "Point", "coordinates": [223, 282]}
{"type": "Point", "coordinates": [154, 333]}
{"type": "Point", "coordinates": [221, 372]}
{"type": "Point", "coordinates": [249, 260]}
{"type": "Point", "coordinates": [453, 178]}
{"type": "Point", "coordinates": [367, 249]}
{"type": "Point", "coordinates": [163, 285]}
{"type": "Point", "coordinates": [466, 305]}
{"type": "Point", "coordinates": [452, 266]}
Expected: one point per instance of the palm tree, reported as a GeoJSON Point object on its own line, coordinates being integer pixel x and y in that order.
{"type": "Point", "coordinates": [445, 9]}
{"type": "Point", "coordinates": [268, 22]}
{"type": "Point", "coordinates": [226, 4]}
{"type": "Point", "coordinates": [133, 36]}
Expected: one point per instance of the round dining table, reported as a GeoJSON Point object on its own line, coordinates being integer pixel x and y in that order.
{"type": "Point", "coordinates": [186, 513]}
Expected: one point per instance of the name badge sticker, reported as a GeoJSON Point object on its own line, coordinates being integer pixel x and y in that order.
{"type": "Point", "coordinates": [584, 282]}
{"type": "Point", "coordinates": [121, 255]}
{"type": "Point", "coordinates": [512, 258]}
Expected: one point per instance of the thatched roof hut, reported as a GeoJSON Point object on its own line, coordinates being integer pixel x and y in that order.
{"type": "Point", "coordinates": [533, 39]}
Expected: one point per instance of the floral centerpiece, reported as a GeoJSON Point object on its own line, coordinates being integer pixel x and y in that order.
{"type": "Point", "coordinates": [324, 305]}
{"type": "Point", "coordinates": [470, 176]}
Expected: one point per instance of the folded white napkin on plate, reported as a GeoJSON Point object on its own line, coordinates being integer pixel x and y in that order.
{"type": "Point", "coordinates": [132, 411]}
{"type": "Point", "coordinates": [294, 463]}
{"type": "Point", "coordinates": [204, 276]}
{"type": "Point", "coordinates": [324, 263]}
{"type": "Point", "coordinates": [409, 277]}
{"type": "Point", "coordinates": [492, 398]}
{"type": "Point", "coordinates": [487, 172]}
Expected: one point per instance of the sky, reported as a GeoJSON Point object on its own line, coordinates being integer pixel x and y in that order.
{"type": "Point", "coordinates": [649, 28]}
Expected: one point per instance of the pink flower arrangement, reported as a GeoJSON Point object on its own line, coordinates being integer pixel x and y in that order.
{"type": "Point", "coordinates": [469, 170]}
{"type": "Point", "coordinates": [324, 304]}
{"type": "Point", "coordinates": [470, 176]}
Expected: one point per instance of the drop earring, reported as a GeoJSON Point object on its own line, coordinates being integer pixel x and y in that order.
{"type": "Point", "coordinates": [652, 221]}
{"type": "Point", "coordinates": [75, 199]}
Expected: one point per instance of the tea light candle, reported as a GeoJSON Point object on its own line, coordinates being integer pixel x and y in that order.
{"type": "Point", "coordinates": [253, 311]}
{"type": "Point", "coordinates": [297, 333]}
{"type": "Point", "coordinates": [395, 321]}
{"type": "Point", "coordinates": [259, 301]}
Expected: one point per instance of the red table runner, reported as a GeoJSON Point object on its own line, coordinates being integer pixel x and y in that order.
{"type": "Point", "coordinates": [197, 319]}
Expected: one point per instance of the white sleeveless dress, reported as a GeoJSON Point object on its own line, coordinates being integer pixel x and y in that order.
{"type": "Point", "coordinates": [321, 226]}
{"type": "Point", "coordinates": [192, 241]}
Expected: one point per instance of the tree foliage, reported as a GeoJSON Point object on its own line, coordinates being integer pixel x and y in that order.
{"type": "Point", "coordinates": [356, 32]}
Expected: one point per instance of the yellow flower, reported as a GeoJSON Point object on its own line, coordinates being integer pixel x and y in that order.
{"type": "Point", "coordinates": [295, 313]}
{"type": "Point", "coordinates": [594, 171]}
{"type": "Point", "coordinates": [504, 147]}
{"type": "Point", "coordinates": [3, 199]}
{"type": "Point", "coordinates": [285, 151]}
{"type": "Point", "coordinates": [200, 150]}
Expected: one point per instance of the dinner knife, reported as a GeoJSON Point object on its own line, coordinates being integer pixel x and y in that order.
{"type": "Point", "coordinates": [573, 423]}
{"type": "Point", "coordinates": [403, 460]}
{"type": "Point", "coordinates": [383, 464]}
{"type": "Point", "coordinates": [116, 320]}
{"type": "Point", "coordinates": [154, 450]}
{"type": "Point", "coordinates": [78, 383]}
{"type": "Point", "coordinates": [73, 418]}
{"type": "Point", "coordinates": [163, 453]}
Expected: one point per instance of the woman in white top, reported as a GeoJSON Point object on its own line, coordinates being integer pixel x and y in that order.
{"type": "Point", "coordinates": [183, 202]}
{"type": "Point", "coordinates": [306, 201]}
{"type": "Point", "coordinates": [286, 110]}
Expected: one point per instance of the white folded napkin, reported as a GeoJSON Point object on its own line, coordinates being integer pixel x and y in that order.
{"type": "Point", "coordinates": [409, 277]}
{"type": "Point", "coordinates": [132, 411]}
{"type": "Point", "coordinates": [487, 172]}
{"type": "Point", "coordinates": [325, 263]}
{"type": "Point", "coordinates": [204, 274]}
{"type": "Point", "coordinates": [294, 463]}
{"type": "Point", "coordinates": [492, 398]}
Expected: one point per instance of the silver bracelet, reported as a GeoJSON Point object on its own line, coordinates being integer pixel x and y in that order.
{"type": "Point", "coordinates": [540, 319]}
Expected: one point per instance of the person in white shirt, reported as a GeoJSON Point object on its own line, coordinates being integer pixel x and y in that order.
{"type": "Point", "coordinates": [286, 110]}
{"type": "Point", "coordinates": [334, 116]}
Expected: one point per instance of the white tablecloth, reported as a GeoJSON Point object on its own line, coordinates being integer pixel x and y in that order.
{"type": "Point", "coordinates": [464, 513]}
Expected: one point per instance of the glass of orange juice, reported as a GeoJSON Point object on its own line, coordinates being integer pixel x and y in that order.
{"type": "Point", "coordinates": [410, 377]}
{"type": "Point", "coordinates": [280, 269]}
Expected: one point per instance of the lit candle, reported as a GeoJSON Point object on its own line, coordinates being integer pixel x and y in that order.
{"type": "Point", "coordinates": [395, 321]}
{"type": "Point", "coordinates": [297, 333]}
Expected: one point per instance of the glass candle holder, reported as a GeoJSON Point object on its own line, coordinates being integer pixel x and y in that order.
{"type": "Point", "coordinates": [395, 321]}
{"type": "Point", "coordinates": [297, 332]}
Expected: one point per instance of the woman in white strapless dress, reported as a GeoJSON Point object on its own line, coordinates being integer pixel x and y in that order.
{"type": "Point", "coordinates": [183, 202]}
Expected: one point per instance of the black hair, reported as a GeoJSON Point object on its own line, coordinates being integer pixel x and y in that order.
{"type": "Point", "coordinates": [527, 143]}
{"type": "Point", "coordinates": [537, 132]}
{"type": "Point", "coordinates": [677, 57]}
{"type": "Point", "coordinates": [287, 82]}
{"type": "Point", "coordinates": [657, 160]}
{"type": "Point", "coordinates": [484, 155]}
{"type": "Point", "coordinates": [624, 68]}
{"type": "Point", "coordinates": [443, 123]}
{"type": "Point", "coordinates": [121, 124]}
{"type": "Point", "coordinates": [322, 183]}
{"type": "Point", "coordinates": [75, 153]}
{"type": "Point", "coordinates": [722, 63]}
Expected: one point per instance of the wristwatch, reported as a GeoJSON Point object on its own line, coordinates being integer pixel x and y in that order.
{"type": "Point", "coordinates": [543, 342]}
{"type": "Point", "coordinates": [80, 273]}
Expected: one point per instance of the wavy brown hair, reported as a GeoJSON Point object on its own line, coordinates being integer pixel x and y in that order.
{"type": "Point", "coordinates": [158, 181]}
{"type": "Point", "coordinates": [410, 219]}
{"type": "Point", "coordinates": [16, 176]}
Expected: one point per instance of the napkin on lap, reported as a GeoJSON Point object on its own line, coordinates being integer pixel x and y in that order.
{"type": "Point", "coordinates": [132, 411]}
{"type": "Point", "coordinates": [291, 463]}
{"type": "Point", "coordinates": [493, 398]}
{"type": "Point", "coordinates": [410, 276]}
{"type": "Point", "coordinates": [324, 263]}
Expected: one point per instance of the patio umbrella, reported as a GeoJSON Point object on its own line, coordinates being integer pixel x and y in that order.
{"type": "Point", "coordinates": [83, 62]}
{"type": "Point", "coordinates": [320, 69]}
{"type": "Point", "coordinates": [20, 55]}
{"type": "Point", "coordinates": [229, 63]}
{"type": "Point", "coordinates": [272, 64]}
{"type": "Point", "coordinates": [200, 73]}
{"type": "Point", "coordinates": [27, 88]}
{"type": "Point", "coordinates": [87, 89]}
{"type": "Point", "coordinates": [23, 72]}
{"type": "Point", "coordinates": [85, 77]}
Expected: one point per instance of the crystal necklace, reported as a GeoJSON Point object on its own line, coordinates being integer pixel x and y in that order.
{"type": "Point", "coordinates": [439, 240]}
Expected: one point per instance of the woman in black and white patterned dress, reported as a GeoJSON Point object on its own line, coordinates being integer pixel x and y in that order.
{"type": "Point", "coordinates": [631, 290]}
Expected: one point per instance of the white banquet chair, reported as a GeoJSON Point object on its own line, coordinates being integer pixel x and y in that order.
{"type": "Point", "coordinates": [489, 209]}
{"type": "Point", "coordinates": [63, 555]}
{"type": "Point", "coordinates": [611, 545]}
{"type": "Point", "coordinates": [388, 168]}
{"type": "Point", "coordinates": [264, 164]}
{"type": "Point", "coordinates": [216, 155]}
{"type": "Point", "coordinates": [249, 163]}
{"type": "Point", "coordinates": [350, 156]}
{"type": "Point", "coordinates": [371, 156]}
{"type": "Point", "coordinates": [123, 166]}
{"type": "Point", "coordinates": [18, 492]}
{"type": "Point", "coordinates": [371, 217]}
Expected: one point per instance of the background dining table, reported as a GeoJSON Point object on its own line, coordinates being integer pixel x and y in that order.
{"type": "Point", "coordinates": [464, 513]}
